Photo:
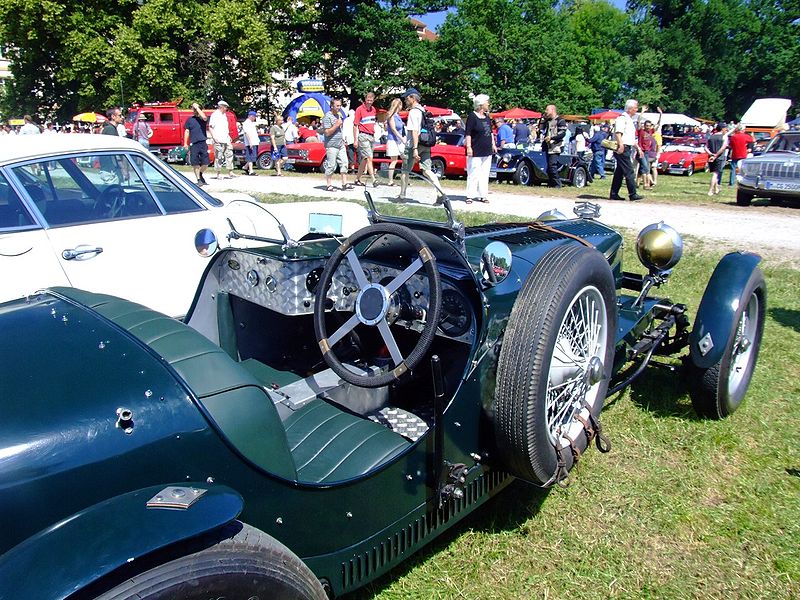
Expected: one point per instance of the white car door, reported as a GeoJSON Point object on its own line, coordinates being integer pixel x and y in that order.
{"type": "Point", "coordinates": [27, 262]}
{"type": "Point", "coordinates": [121, 226]}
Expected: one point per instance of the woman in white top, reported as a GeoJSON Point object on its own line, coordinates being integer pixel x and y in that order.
{"type": "Point", "coordinates": [396, 136]}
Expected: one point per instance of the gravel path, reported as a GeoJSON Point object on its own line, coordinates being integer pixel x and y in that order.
{"type": "Point", "coordinates": [770, 230]}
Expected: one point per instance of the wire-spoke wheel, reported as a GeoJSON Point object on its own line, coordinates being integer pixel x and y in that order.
{"type": "Point", "coordinates": [555, 363]}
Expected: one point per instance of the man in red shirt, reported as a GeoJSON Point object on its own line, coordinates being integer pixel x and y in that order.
{"type": "Point", "coordinates": [364, 134]}
{"type": "Point", "coordinates": [740, 143]}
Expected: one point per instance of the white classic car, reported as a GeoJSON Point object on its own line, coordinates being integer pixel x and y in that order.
{"type": "Point", "coordinates": [100, 213]}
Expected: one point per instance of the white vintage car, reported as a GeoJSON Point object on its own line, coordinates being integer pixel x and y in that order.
{"type": "Point", "coordinates": [100, 213]}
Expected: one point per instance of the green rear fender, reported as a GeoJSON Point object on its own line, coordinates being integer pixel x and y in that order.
{"type": "Point", "coordinates": [716, 316]}
{"type": "Point", "coordinates": [84, 547]}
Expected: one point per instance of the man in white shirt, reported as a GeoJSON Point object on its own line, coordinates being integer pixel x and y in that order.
{"type": "Point", "coordinates": [29, 128]}
{"type": "Point", "coordinates": [223, 148]}
{"type": "Point", "coordinates": [251, 141]}
{"type": "Point", "coordinates": [290, 132]}
{"type": "Point", "coordinates": [625, 135]}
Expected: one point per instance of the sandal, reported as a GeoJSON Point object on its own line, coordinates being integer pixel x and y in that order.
{"type": "Point", "coordinates": [483, 200]}
{"type": "Point", "coordinates": [347, 186]}
{"type": "Point", "coordinates": [330, 188]}
{"type": "Point", "coordinates": [391, 184]}
{"type": "Point", "coordinates": [359, 182]}
{"type": "Point", "coordinates": [468, 201]}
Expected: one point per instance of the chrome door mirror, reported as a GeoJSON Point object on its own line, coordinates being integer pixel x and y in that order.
{"type": "Point", "coordinates": [495, 263]}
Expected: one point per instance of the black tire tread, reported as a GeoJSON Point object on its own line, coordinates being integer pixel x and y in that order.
{"type": "Point", "coordinates": [524, 358]}
{"type": "Point", "coordinates": [248, 551]}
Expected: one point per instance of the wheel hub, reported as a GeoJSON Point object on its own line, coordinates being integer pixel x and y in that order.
{"type": "Point", "coordinates": [594, 371]}
{"type": "Point", "coordinates": [372, 304]}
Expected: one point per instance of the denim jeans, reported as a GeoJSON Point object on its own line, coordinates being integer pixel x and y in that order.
{"type": "Point", "coordinates": [598, 166]}
{"type": "Point", "coordinates": [734, 166]}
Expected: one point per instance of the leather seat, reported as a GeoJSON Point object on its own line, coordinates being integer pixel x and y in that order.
{"type": "Point", "coordinates": [317, 443]}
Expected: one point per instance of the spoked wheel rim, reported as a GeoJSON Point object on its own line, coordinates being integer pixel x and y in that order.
{"type": "Point", "coordinates": [524, 174]}
{"type": "Point", "coordinates": [743, 343]}
{"type": "Point", "coordinates": [576, 366]}
{"type": "Point", "coordinates": [579, 179]}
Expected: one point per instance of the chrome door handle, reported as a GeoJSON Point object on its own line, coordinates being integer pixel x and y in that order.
{"type": "Point", "coordinates": [71, 253]}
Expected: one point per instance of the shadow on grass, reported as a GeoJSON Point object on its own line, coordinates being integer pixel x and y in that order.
{"type": "Point", "coordinates": [663, 393]}
{"type": "Point", "coordinates": [507, 511]}
{"type": "Point", "coordinates": [786, 317]}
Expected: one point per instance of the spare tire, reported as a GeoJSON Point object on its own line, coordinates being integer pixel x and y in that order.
{"type": "Point", "coordinates": [556, 360]}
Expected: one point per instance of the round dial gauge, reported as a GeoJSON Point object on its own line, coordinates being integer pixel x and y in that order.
{"type": "Point", "coordinates": [312, 279]}
{"type": "Point", "coordinates": [456, 314]}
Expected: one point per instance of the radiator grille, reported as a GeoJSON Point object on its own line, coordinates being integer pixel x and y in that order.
{"type": "Point", "coordinates": [534, 236]}
{"type": "Point", "coordinates": [780, 169]}
{"type": "Point", "coordinates": [407, 539]}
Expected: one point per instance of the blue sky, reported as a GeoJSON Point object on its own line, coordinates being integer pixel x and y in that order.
{"type": "Point", "coordinates": [433, 20]}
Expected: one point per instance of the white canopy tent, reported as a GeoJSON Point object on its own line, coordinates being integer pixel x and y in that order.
{"type": "Point", "coordinates": [669, 119]}
{"type": "Point", "coordinates": [767, 112]}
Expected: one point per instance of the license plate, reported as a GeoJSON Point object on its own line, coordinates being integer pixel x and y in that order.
{"type": "Point", "coordinates": [289, 161]}
{"type": "Point", "coordinates": [676, 171]}
{"type": "Point", "coordinates": [780, 185]}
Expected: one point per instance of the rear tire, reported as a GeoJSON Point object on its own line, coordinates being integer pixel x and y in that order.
{"type": "Point", "coordinates": [718, 391]}
{"type": "Point", "coordinates": [437, 167]}
{"type": "Point", "coordinates": [557, 352]}
{"type": "Point", "coordinates": [579, 177]}
{"type": "Point", "coordinates": [241, 565]}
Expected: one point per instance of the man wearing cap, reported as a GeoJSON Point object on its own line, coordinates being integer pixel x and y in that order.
{"type": "Point", "coordinates": [251, 142]}
{"type": "Point", "coordinates": [223, 148]}
{"type": "Point", "coordinates": [414, 151]}
{"type": "Point", "coordinates": [598, 166]}
{"type": "Point", "coordinates": [278, 138]}
{"type": "Point", "coordinates": [364, 134]}
{"type": "Point", "coordinates": [196, 141]}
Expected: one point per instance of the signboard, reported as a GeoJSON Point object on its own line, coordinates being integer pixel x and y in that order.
{"type": "Point", "coordinates": [306, 86]}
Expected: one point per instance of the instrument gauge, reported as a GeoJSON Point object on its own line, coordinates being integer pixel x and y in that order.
{"type": "Point", "coordinates": [456, 314]}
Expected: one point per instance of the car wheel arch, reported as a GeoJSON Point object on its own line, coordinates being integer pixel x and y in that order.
{"type": "Point", "coordinates": [132, 530]}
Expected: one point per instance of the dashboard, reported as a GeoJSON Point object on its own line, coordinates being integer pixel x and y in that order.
{"type": "Point", "coordinates": [288, 287]}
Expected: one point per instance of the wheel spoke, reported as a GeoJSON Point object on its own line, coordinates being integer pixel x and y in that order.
{"type": "Point", "coordinates": [388, 338]}
{"type": "Point", "coordinates": [348, 326]}
{"type": "Point", "coordinates": [358, 270]}
{"type": "Point", "coordinates": [398, 281]}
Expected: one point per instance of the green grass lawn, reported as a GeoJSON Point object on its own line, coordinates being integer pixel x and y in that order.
{"type": "Point", "coordinates": [680, 508]}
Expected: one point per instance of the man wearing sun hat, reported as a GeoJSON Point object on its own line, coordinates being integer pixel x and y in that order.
{"type": "Point", "coordinates": [223, 148]}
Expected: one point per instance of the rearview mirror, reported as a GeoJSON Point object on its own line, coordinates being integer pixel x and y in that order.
{"type": "Point", "coordinates": [205, 242]}
{"type": "Point", "coordinates": [495, 263]}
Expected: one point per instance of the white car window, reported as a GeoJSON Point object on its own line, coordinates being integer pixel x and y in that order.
{"type": "Point", "coordinates": [13, 213]}
{"type": "Point", "coordinates": [85, 189]}
{"type": "Point", "coordinates": [172, 198]}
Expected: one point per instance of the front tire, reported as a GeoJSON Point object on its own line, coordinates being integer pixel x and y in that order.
{"type": "Point", "coordinates": [523, 175]}
{"type": "Point", "coordinates": [718, 391]}
{"type": "Point", "coordinates": [241, 564]}
{"type": "Point", "coordinates": [690, 170]}
{"type": "Point", "coordinates": [743, 198]}
{"type": "Point", "coordinates": [264, 161]}
{"type": "Point", "coordinates": [555, 361]}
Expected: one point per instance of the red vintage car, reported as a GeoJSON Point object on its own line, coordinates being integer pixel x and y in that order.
{"type": "Point", "coordinates": [448, 156]}
{"type": "Point", "coordinates": [683, 156]}
{"type": "Point", "coordinates": [306, 155]}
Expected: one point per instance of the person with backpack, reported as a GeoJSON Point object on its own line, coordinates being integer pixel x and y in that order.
{"type": "Point", "coordinates": [480, 145]}
{"type": "Point", "coordinates": [420, 137]}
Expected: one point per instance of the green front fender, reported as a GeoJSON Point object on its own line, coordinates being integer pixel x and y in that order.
{"type": "Point", "coordinates": [84, 547]}
{"type": "Point", "coordinates": [716, 316]}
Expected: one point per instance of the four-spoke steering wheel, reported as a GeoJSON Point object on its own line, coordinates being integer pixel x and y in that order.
{"type": "Point", "coordinates": [373, 302]}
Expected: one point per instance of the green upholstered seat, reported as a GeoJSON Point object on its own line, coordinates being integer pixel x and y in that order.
{"type": "Point", "coordinates": [317, 443]}
{"type": "Point", "coordinates": [328, 444]}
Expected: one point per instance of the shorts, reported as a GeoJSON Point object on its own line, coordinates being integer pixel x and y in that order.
{"type": "Point", "coordinates": [333, 157]}
{"type": "Point", "coordinates": [250, 153]}
{"type": "Point", "coordinates": [365, 145]}
{"type": "Point", "coordinates": [198, 154]}
{"type": "Point", "coordinates": [279, 153]}
{"type": "Point", "coordinates": [223, 155]}
{"type": "Point", "coordinates": [395, 149]}
{"type": "Point", "coordinates": [424, 158]}
{"type": "Point", "coordinates": [717, 166]}
{"type": "Point", "coordinates": [644, 164]}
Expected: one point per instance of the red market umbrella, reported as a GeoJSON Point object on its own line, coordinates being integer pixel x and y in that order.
{"type": "Point", "coordinates": [518, 113]}
{"type": "Point", "coordinates": [605, 115]}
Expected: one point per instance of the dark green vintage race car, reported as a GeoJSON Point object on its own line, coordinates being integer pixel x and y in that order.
{"type": "Point", "coordinates": [330, 406]}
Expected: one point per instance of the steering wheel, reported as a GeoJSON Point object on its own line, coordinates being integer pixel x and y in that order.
{"type": "Point", "coordinates": [110, 202]}
{"type": "Point", "coordinates": [373, 302]}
